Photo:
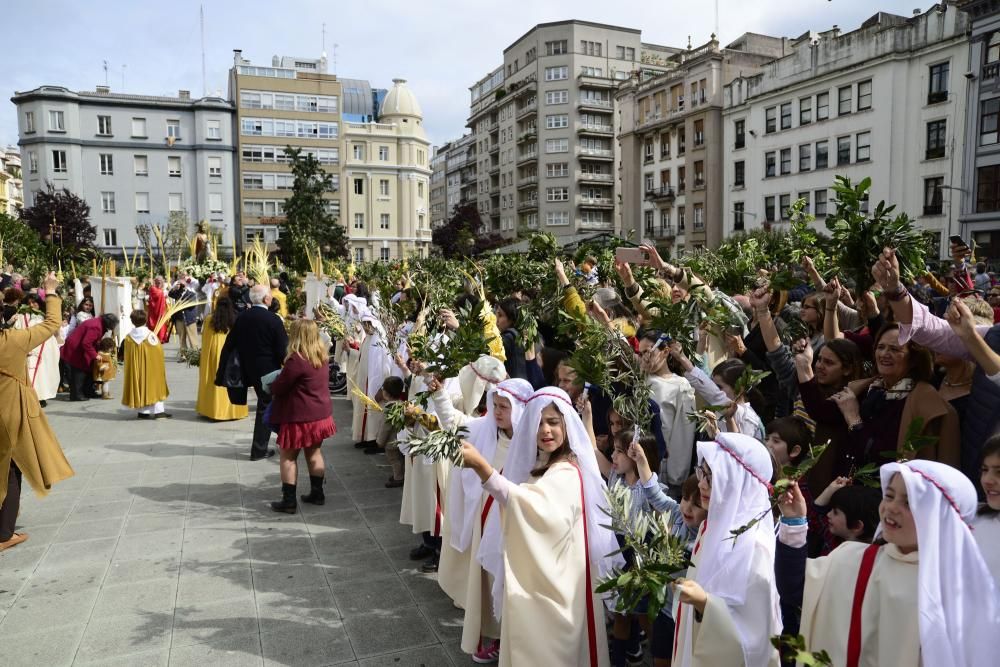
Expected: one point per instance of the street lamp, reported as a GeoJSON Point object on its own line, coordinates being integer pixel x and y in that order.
{"type": "Point", "coordinates": [750, 213]}
{"type": "Point", "coordinates": [951, 187]}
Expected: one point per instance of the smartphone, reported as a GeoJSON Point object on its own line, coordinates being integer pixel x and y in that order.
{"type": "Point", "coordinates": [632, 256]}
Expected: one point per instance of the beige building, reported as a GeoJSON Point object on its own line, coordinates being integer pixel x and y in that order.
{"type": "Point", "coordinates": [543, 123]}
{"type": "Point", "coordinates": [387, 181]}
{"type": "Point", "coordinates": [11, 185]}
{"type": "Point", "coordinates": [671, 142]}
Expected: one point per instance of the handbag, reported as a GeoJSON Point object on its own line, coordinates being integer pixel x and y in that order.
{"type": "Point", "coordinates": [232, 373]}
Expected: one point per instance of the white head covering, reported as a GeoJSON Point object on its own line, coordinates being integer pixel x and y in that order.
{"type": "Point", "coordinates": [466, 488]}
{"type": "Point", "coordinates": [522, 457]}
{"type": "Point", "coordinates": [957, 597]}
{"type": "Point", "coordinates": [476, 377]}
{"type": "Point", "coordinates": [741, 472]}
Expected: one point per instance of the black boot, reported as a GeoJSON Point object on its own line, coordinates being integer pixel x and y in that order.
{"type": "Point", "coordinates": [287, 503]}
{"type": "Point", "coordinates": [315, 496]}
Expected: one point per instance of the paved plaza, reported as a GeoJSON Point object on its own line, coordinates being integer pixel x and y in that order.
{"type": "Point", "coordinates": [162, 550]}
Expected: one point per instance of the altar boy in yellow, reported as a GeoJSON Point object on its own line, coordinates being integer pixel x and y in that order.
{"type": "Point", "coordinates": [145, 384]}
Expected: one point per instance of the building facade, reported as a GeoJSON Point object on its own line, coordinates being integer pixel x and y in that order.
{"type": "Point", "coordinates": [672, 151]}
{"type": "Point", "coordinates": [134, 159]}
{"type": "Point", "coordinates": [439, 186]}
{"type": "Point", "coordinates": [980, 215]}
{"type": "Point", "coordinates": [543, 126]}
{"type": "Point", "coordinates": [11, 184]}
{"type": "Point", "coordinates": [885, 100]}
{"type": "Point", "coordinates": [453, 181]}
{"type": "Point", "coordinates": [387, 180]}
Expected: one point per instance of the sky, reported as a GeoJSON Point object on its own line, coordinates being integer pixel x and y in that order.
{"type": "Point", "coordinates": [441, 47]}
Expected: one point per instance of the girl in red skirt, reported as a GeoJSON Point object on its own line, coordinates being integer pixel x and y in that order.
{"type": "Point", "coordinates": [301, 408]}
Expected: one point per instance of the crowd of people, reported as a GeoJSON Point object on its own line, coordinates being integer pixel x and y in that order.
{"type": "Point", "coordinates": [829, 462]}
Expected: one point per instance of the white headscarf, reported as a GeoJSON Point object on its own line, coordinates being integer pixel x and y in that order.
{"type": "Point", "coordinates": [741, 472]}
{"type": "Point", "coordinates": [476, 377]}
{"type": "Point", "coordinates": [466, 488]}
{"type": "Point", "coordinates": [957, 597]}
{"type": "Point", "coordinates": [522, 457]}
{"type": "Point", "coordinates": [380, 363]}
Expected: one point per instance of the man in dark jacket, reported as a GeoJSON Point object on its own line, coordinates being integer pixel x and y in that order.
{"type": "Point", "coordinates": [259, 340]}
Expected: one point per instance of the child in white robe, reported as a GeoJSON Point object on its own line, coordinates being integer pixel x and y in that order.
{"type": "Point", "coordinates": [548, 549]}
{"type": "Point", "coordinates": [922, 595]}
{"type": "Point", "coordinates": [986, 526]}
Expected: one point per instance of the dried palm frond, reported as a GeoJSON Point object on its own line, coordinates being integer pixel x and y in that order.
{"type": "Point", "coordinates": [362, 396]}
{"type": "Point", "coordinates": [256, 263]}
{"type": "Point", "coordinates": [330, 321]}
{"type": "Point", "coordinates": [172, 310]}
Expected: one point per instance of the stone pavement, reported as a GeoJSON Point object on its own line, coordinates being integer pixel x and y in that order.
{"type": "Point", "coordinates": [163, 550]}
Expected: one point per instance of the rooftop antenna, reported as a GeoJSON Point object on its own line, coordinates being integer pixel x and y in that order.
{"type": "Point", "coordinates": [123, 77]}
{"type": "Point", "coordinates": [324, 38]}
{"type": "Point", "coordinates": [716, 17]}
{"type": "Point", "coordinates": [106, 73]}
{"type": "Point", "coordinates": [201, 18]}
{"type": "Point", "coordinates": [335, 58]}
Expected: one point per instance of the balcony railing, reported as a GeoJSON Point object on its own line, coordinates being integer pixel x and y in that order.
{"type": "Point", "coordinates": [591, 81]}
{"type": "Point", "coordinates": [526, 181]}
{"type": "Point", "coordinates": [662, 193]}
{"type": "Point", "coordinates": [933, 209]}
{"type": "Point", "coordinates": [991, 71]}
{"type": "Point", "coordinates": [525, 157]}
{"type": "Point", "coordinates": [495, 169]}
{"type": "Point", "coordinates": [596, 152]}
{"type": "Point", "coordinates": [661, 232]}
{"type": "Point", "coordinates": [528, 205]}
{"type": "Point", "coordinates": [527, 109]}
{"type": "Point", "coordinates": [593, 103]}
{"type": "Point", "coordinates": [595, 202]}
{"type": "Point", "coordinates": [936, 96]}
{"type": "Point", "coordinates": [592, 177]}
{"type": "Point", "coordinates": [933, 153]}
{"type": "Point", "coordinates": [528, 134]}
{"type": "Point", "coordinates": [494, 148]}
{"type": "Point", "coordinates": [596, 128]}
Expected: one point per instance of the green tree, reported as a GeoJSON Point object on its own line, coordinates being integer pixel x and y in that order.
{"type": "Point", "coordinates": [63, 219]}
{"type": "Point", "coordinates": [308, 223]}
{"type": "Point", "coordinates": [460, 237]}
{"type": "Point", "coordinates": [23, 248]}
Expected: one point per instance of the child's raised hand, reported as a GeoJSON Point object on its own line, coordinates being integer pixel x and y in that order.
{"type": "Point", "coordinates": [690, 592]}
{"type": "Point", "coordinates": [637, 454]}
{"type": "Point", "coordinates": [824, 498]}
{"type": "Point", "coordinates": [792, 503]}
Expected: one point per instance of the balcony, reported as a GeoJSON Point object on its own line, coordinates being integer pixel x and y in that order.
{"type": "Point", "coordinates": [661, 232]}
{"type": "Point", "coordinates": [527, 157]}
{"type": "Point", "coordinates": [936, 96]}
{"type": "Point", "coordinates": [595, 104]}
{"type": "Point", "coordinates": [595, 153]}
{"type": "Point", "coordinates": [933, 209]}
{"type": "Point", "coordinates": [587, 201]}
{"type": "Point", "coordinates": [493, 126]}
{"type": "Point", "coordinates": [494, 148]}
{"type": "Point", "coordinates": [699, 184]}
{"type": "Point", "coordinates": [590, 177]}
{"type": "Point", "coordinates": [599, 129]}
{"type": "Point", "coordinates": [990, 71]}
{"type": "Point", "coordinates": [530, 205]}
{"type": "Point", "coordinates": [934, 153]}
{"type": "Point", "coordinates": [468, 179]}
{"type": "Point", "coordinates": [527, 110]}
{"type": "Point", "coordinates": [664, 193]}
{"type": "Point", "coordinates": [527, 181]}
{"type": "Point", "coordinates": [595, 81]}
{"type": "Point", "coordinates": [527, 135]}
{"type": "Point", "coordinates": [495, 169]}
{"type": "Point", "coordinates": [524, 88]}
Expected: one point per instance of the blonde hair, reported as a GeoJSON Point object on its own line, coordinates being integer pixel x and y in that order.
{"type": "Point", "coordinates": [304, 340]}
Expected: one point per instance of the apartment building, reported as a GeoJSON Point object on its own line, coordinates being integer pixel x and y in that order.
{"type": "Point", "coordinates": [543, 123]}
{"type": "Point", "coordinates": [672, 151]}
{"type": "Point", "coordinates": [11, 184]}
{"type": "Point", "coordinates": [884, 100]}
{"type": "Point", "coordinates": [980, 193]}
{"type": "Point", "coordinates": [133, 158]}
{"type": "Point", "coordinates": [453, 181]}
{"type": "Point", "coordinates": [439, 187]}
{"type": "Point", "coordinates": [293, 102]}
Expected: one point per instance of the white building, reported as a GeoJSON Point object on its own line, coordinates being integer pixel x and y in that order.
{"type": "Point", "coordinates": [886, 100]}
{"type": "Point", "coordinates": [133, 158]}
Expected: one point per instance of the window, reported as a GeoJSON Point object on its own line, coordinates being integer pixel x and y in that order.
{"type": "Point", "coordinates": [819, 201]}
{"type": "Point", "coordinates": [383, 254]}
{"type": "Point", "coordinates": [359, 152]}
{"type": "Point", "coordinates": [359, 186]}
{"type": "Point", "coordinates": [988, 189]}
{"type": "Point", "coordinates": [555, 169]}
{"type": "Point", "coordinates": [805, 157]}
{"type": "Point", "coordinates": [108, 202]}
{"type": "Point", "coordinates": [359, 221]}
{"type": "Point", "coordinates": [139, 128]}
{"type": "Point", "coordinates": [769, 209]}
{"type": "Point", "coordinates": [141, 165]}
{"type": "Point", "coordinates": [214, 202]}
{"type": "Point", "coordinates": [174, 166]}
{"type": "Point", "coordinates": [142, 202]}
{"type": "Point", "coordinates": [681, 217]}
{"type": "Point", "coordinates": [590, 48]}
{"type": "Point", "coordinates": [769, 164]}
{"type": "Point", "coordinates": [174, 129]}
{"type": "Point", "coordinates": [554, 122]}
{"type": "Point", "coordinates": [59, 162]}
{"type": "Point", "coordinates": [989, 113]}
{"type": "Point", "coordinates": [57, 121]}
{"type": "Point", "coordinates": [865, 95]}
{"type": "Point", "coordinates": [383, 187]}
{"type": "Point", "coordinates": [805, 110]}
{"type": "Point", "coordinates": [936, 131]}
{"type": "Point", "coordinates": [556, 73]}
{"type": "Point", "coordinates": [557, 145]}
{"type": "Point", "coordinates": [104, 125]}
{"type": "Point", "coordinates": [739, 127]}
{"type": "Point", "coordinates": [738, 208]}
{"type": "Point", "coordinates": [383, 153]}
{"type": "Point", "coordinates": [110, 237]}
{"type": "Point", "coordinates": [680, 142]}
{"type": "Point", "coordinates": [175, 202]}
{"type": "Point", "coordinates": [784, 203]}
{"type": "Point", "coordinates": [359, 255]}
{"type": "Point", "coordinates": [822, 106]}
{"type": "Point", "coordinates": [681, 180]}
{"type": "Point", "coordinates": [664, 145]}
{"type": "Point", "coordinates": [786, 116]}
{"type": "Point", "coordinates": [650, 183]}
{"type": "Point", "coordinates": [938, 85]}
{"type": "Point", "coordinates": [32, 162]}
{"type": "Point", "coordinates": [786, 161]}
{"type": "Point", "coordinates": [383, 221]}
{"type": "Point", "coordinates": [107, 164]}
{"type": "Point", "coordinates": [739, 173]}
{"type": "Point", "coordinates": [843, 150]}
{"type": "Point", "coordinates": [556, 218]}
{"type": "Point", "coordinates": [647, 150]}
{"type": "Point", "coordinates": [699, 133]}
{"type": "Point", "coordinates": [699, 174]}
{"type": "Point", "coordinates": [592, 71]}
{"type": "Point", "coordinates": [699, 217]}
{"type": "Point", "coordinates": [648, 218]}
{"type": "Point", "coordinates": [844, 96]}
{"type": "Point", "coordinates": [556, 194]}
{"type": "Point", "coordinates": [822, 154]}
{"type": "Point", "coordinates": [804, 196]}
{"type": "Point", "coordinates": [770, 120]}
{"type": "Point", "coordinates": [555, 48]}
{"type": "Point", "coordinates": [556, 97]}
{"type": "Point", "coordinates": [863, 148]}
{"type": "Point", "coordinates": [29, 122]}
{"type": "Point", "coordinates": [932, 195]}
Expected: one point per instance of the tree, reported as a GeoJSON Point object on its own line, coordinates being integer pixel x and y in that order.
{"type": "Point", "coordinates": [457, 237]}
{"type": "Point", "coordinates": [62, 219]}
{"type": "Point", "coordinates": [308, 223]}
{"type": "Point", "coordinates": [22, 248]}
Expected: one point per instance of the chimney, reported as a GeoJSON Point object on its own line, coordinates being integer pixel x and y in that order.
{"type": "Point", "coordinates": [916, 12]}
{"type": "Point", "coordinates": [184, 94]}
{"type": "Point", "coordinates": [103, 90]}
{"type": "Point", "coordinates": [237, 56]}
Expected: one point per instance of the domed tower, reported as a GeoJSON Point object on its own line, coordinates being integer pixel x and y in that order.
{"type": "Point", "coordinates": [400, 106]}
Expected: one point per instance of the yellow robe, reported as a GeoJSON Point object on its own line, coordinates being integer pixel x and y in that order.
{"type": "Point", "coordinates": [282, 300]}
{"type": "Point", "coordinates": [213, 402]}
{"type": "Point", "coordinates": [145, 380]}
{"type": "Point", "coordinates": [890, 627]}
{"type": "Point", "coordinates": [545, 596]}
{"type": "Point", "coordinates": [25, 434]}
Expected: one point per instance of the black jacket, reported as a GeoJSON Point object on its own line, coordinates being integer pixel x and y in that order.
{"type": "Point", "coordinates": [258, 337]}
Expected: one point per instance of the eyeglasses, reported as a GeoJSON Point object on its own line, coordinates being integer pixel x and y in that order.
{"type": "Point", "coordinates": [704, 474]}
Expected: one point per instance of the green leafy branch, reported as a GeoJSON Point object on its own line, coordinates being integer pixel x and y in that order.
{"type": "Point", "coordinates": [793, 649]}
{"type": "Point", "coordinates": [441, 444]}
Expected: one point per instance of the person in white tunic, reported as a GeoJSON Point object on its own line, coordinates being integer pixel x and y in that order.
{"type": "Point", "coordinates": [548, 550]}
{"type": "Point", "coordinates": [43, 361]}
{"type": "Point", "coordinates": [460, 575]}
{"type": "Point", "coordinates": [919, 596]}
{"type": "Point", "coordinates": [374, 366]}
{"type": "Point", "coordinates": [726, 610]}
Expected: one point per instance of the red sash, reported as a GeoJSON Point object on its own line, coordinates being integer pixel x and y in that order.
{"type": "Point", "coordinates": [487, 506]}
{"type": "Point", "coordinates": [437, 509]}
{"type": "Point", "coordinates": [591, 639]}
{"type": "Point", "coordinates": [854, 634]}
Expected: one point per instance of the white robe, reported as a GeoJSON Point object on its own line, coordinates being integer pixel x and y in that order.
{"type": "Point", "coordinates": [43, 361]}
{"type": "Point", "coordinates": [545, 564]}
{"type": "Point", "coordinates": [986, 530]}
{"type": "Point", "coordinates": [675, 396]}
{"type": "Point", "coordinates": [374, 366]}
{"type": "Point", "coordinates": [890, 632]}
